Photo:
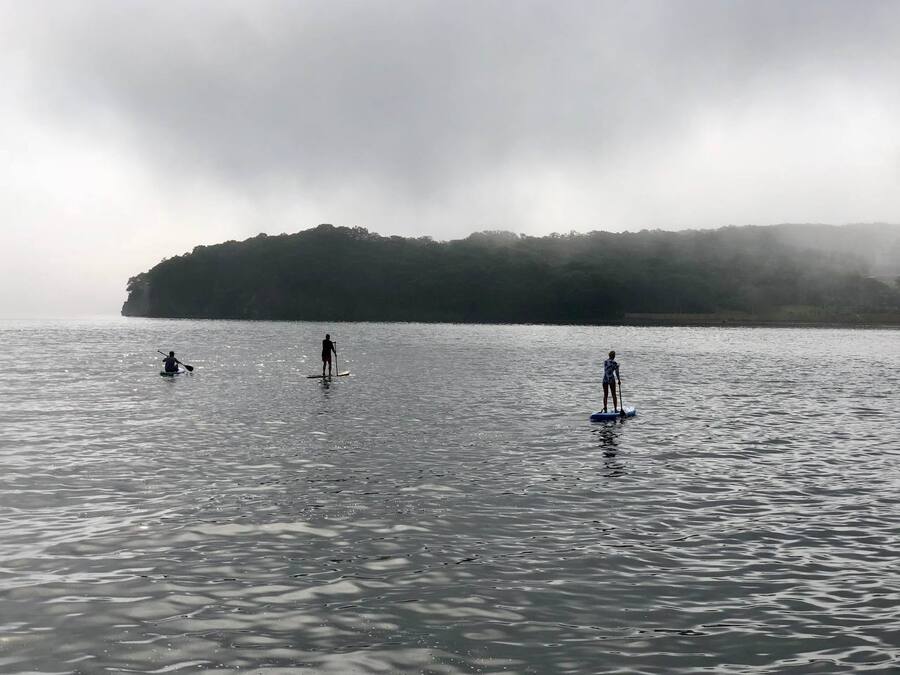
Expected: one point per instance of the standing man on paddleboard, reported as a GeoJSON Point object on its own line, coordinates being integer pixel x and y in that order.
{"type": "Point", "coordinates": [610, 375]}
{"type": "Point", "coordinates": [327, 348]}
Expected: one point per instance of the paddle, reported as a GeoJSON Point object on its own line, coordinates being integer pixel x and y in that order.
{"type": "Point", "coordinates": [187, 367]}
{"type": "Point", "coordinates": [621, 401]}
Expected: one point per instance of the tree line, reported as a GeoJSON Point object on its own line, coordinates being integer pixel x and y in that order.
{"type": "Point", "coordinates": [351, 274]}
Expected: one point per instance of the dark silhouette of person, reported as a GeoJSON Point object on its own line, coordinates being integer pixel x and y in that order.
{"type": "Point", "coordinates": [171, 363]}
{"type": "Point", "coordinates": [327, 349]}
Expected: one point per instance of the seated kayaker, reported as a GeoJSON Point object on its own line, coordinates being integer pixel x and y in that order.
{"type": "Point", "coordinates": [171, 363]}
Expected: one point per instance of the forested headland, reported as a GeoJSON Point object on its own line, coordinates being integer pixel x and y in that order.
{"type": "Point", "coordinates": [811, 274]}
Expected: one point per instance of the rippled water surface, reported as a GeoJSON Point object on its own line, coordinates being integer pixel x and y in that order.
{"type": "Point", "coordinates": [448, 508]}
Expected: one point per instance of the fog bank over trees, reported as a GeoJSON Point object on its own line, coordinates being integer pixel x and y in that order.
{"type": "Point", "coordinates": [782, 273]}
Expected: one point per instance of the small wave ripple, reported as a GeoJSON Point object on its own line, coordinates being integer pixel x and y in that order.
{"type": "Point", "coordinates": [448, 508]}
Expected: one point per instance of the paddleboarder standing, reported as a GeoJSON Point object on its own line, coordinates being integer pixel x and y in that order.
{"type": "Point", "coordinates": [610, 376]}
{"type": "Point", "coordinates": [327, 349]}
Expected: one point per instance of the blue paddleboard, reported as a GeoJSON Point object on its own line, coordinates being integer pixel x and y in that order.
{"type": "Point", "coordinates": [606, 416]}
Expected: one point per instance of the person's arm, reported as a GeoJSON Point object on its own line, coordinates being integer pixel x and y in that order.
{"type": "Point", "coordinates": [618, 377]}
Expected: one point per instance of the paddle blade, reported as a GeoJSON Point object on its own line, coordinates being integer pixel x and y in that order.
{"type": "Point", "coordinates": [190, 369]}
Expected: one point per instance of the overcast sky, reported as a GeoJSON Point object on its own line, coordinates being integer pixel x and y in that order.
{"type": "Point", "coordinates": [131, 131]}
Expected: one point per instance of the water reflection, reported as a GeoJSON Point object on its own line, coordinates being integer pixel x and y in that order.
{"type": "Point", "coordinates": [608, 440]}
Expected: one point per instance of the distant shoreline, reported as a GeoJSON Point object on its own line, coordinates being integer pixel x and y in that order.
{"type": "Point", "coordinates": [751, 321]}
{"type": "Point", "coordinates": [635, 320]}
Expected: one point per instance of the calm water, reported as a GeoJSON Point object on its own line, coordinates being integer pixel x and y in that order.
{"type": "Point", "coordinates": [448, 508]}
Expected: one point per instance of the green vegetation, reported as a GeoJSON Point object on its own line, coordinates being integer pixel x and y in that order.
{"type": "Point", "coordinates": [785, 273]}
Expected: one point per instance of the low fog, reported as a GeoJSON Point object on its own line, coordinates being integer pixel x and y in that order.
{"type": "Point", "coordinates": [135, 131]}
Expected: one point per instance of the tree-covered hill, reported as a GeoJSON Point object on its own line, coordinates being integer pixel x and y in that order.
{"type": "Point", "coordinates": [815, 273]}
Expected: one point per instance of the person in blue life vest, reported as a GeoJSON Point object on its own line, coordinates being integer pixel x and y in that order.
{"type": "Point", "coordinates": [170, 363]}
{"type": "Point", "coordinates": [610, 376]}
{"type": "Point", "coordinates": [327, 349]}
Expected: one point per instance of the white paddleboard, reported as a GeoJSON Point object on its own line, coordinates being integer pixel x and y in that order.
{"type": "Point", "coordinates": [319, 377]}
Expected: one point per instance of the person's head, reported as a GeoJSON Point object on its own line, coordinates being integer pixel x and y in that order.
{"type": "Point", "coordinates": [327, 336]}
{"type": "Point", "coordinates": [171, 353]}
{"type": "Point", "coordinates": [612, 354]}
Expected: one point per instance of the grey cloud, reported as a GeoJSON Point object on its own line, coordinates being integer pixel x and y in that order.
{"type": "Point", "coordinates": [416, 95]}
{"type": "Point", "coordinates": [136, 130]}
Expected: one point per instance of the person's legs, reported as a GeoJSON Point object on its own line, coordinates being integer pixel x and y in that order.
{"type": "Point", "coordinates": [605, 394]}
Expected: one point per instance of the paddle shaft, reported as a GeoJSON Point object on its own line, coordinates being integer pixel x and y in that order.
{"type": "Point", "coordinates": [621, 400]}
{"type": "Point", "coordinates": [187, 367]}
